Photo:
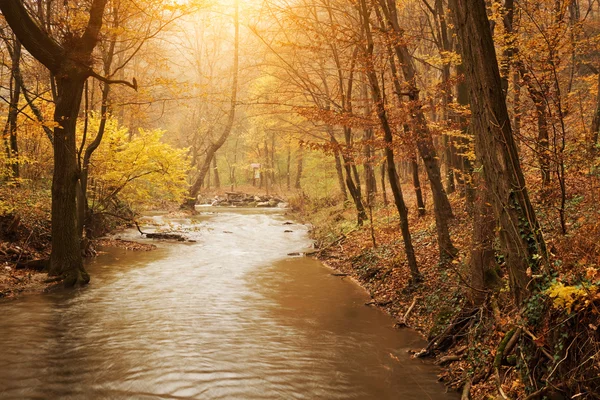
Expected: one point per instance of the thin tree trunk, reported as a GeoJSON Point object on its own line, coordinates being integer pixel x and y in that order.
{"type": "Point", "coordinates": [232, 177]}
{"type": "Point", "coordinates": [369, 171]}
{"type": "Point", "coordinates": [299, 167]}
{"type": "Point", "coordinates": [288, 174]}
{"type": "Point", "coordinates": [383, 188]}
{"type": "Point", "coordinates": [595, 128]}
{"type": "Point", "coordinates": [216, 173]}
{"type": "Point", "coordinates": [340, 172]}
{"type": "Point", "coordinates": [417, 186]}
{"type": "Point", "coordinates": [543, 140]}
{"type": "Point", "coordinates": [466, 167]}
{"type": "Point", "coordinates": [13, 108]}
{"type": "Point", "coordinates": [353, 189]}
{"type": "Point", "coordinates": [441, 204]}
{"type": "Point", "coordinates": [389, 152]}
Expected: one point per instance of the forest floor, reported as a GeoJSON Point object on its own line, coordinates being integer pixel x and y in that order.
{"type": "Point", "coordinates": [464, 340]}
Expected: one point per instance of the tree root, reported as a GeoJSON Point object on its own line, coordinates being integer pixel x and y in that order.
{"type": "Point", "coordinates": [461, 323]}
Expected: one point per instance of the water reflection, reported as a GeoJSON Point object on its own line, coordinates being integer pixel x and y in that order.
{"type": "Point", "coordinates": [228, 317]}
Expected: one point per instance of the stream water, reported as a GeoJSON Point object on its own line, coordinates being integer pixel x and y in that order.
{"type": "Point", "coordinates": [231, 316]}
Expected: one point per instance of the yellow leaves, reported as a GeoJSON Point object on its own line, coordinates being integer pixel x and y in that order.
{"type": "Point", "coordinates": [570, 297]}
{"type": "Point", "coordinates": [139, 170]}
{"type": "Point", "coordinates": [443, 58]}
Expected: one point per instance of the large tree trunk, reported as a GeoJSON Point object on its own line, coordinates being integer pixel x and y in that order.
{"type": "Point", "coordinates": [483, 260]}
{"type": "Point", "coordinates": [66, 259]}
{"type": "Point", "coordinates": [520, 234]}
{"type": "Point", "coordinates": [71, 65]}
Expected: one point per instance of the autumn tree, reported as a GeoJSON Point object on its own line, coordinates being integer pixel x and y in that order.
{"type": "Point", "coordinates": [520, 235]}
{"type": "Point", "coordinates": [226, 131]}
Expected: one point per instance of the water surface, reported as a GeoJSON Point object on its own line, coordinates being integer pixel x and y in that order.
{"type": "Point", "coordinates": [231, 316]}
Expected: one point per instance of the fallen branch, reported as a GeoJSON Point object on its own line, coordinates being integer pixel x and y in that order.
{"type": "Point", "coordinates": [534, 338]}
{"type": "Point", "coordinates": [448, 359]}
{"type": "Point", "coordinates": [339, 274]}
{"type": "Point", "coordinates": [537, 394]}
{"type": "Point", "coordinates": [466, 392]}
{"type": "Point", "coordinates": [336, 241]}
{"type": "Point", "coordinates": [403, 320]}
{"type": "Point", "coordinates": [159, 235]}
{"type": "Point", "coordinates": [378, 303]}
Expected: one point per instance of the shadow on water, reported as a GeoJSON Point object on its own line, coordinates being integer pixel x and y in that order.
{"type": "Point", "coordinates": [228, 317]}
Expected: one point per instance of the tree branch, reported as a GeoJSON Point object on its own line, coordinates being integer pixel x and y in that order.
{"type": "Point", "coordinates": [33, 38]}
{"type": "Point", "coordinates": [133, 84]}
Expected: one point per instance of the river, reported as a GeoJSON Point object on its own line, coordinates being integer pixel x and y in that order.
{"type": "Point", "coordinates": [230, 316]}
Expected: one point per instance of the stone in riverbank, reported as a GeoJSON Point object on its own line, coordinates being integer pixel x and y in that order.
{"type": "Point", "coordinates": [238, 199]}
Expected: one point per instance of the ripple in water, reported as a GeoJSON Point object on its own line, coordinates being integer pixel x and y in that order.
{"type": "Point", "coordinates": [228, 317]}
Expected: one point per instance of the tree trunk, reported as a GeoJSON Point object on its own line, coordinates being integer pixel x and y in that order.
{"type": "Point", "coordinates": [466, 167]}
{"type": "Point", "coordinates": [389, 152]}
{"type": "Point", "coordinates": [368, 137]}
{"type": "Point", "coordinates": [448, 160]}
{"type": "Point", "coordinates": [299, 167]}
{"type": "Point", "coordinates": [350, 183]}
{"type": "Point", "coordinates": [369, 171]}
{"type": "Point", "coordinates": [383, 188]}
{"type": "Point", "coordinates": [216, 173]}
{"type": "Point", "coordinates": [595, 128]}
{"type": "Point", "coordinates": [66, 260]}
{"type": "Point", "coordinates": [483, 260]}
{"type": "Point", "coordinates": [425, 145]}
{"type": "Point", "coordinates": [288, 164]}
{"type": "Point", "coordinates": [13, 108]}
{"type": "Point", "coordinates": [417, 186]}
{"type": "Point", "coordinates": [520, 234]}
{"type": "Point", "coordinates": [339, 170]}
{"type": "Point", "coordinates": [212, 149]}
{"type": "Point", "coordinates": [542, 143]}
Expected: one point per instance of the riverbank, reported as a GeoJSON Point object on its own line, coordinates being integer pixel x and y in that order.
{"type": "Point", "coordinates": [472, 345]}
{"type": "Point", "coordinates": [25, 242]}
{"type": "Point", "coordinates": [25, 234]}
